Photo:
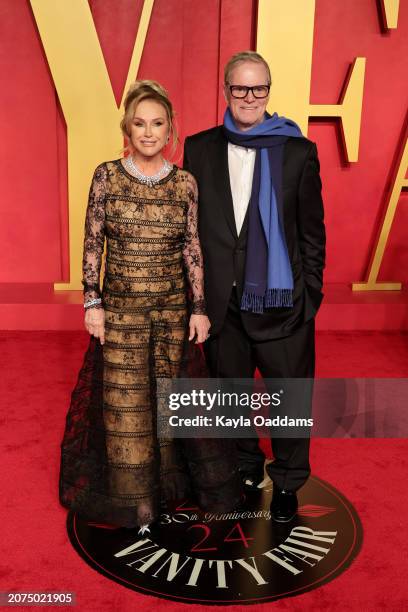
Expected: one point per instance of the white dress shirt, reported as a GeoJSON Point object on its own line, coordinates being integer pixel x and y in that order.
{"type": "Point", "coordinates": [241, 163]}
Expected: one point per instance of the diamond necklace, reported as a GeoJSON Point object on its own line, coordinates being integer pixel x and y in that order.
{"type": "Point", "coordinates": [144, 178]}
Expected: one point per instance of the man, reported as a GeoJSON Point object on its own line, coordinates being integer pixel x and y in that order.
{"type": "Point", "coordinates": [263, 240]}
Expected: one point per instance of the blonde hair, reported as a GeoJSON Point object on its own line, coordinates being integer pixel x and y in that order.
{"type": "Point", "coordinates": [245, 56]}
{"type": "Point", "coordinates": [147, 90]}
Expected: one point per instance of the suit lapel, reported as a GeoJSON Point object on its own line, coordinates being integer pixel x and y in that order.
{"type": "Point", "coordinates": [219, 161]}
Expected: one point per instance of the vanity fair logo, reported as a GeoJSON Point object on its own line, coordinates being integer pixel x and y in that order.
{"type": "Point", "coordinates": [234, 557]}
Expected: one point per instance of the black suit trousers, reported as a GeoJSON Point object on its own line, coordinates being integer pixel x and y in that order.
{"type": "Point", "coordinates": [233, 354]}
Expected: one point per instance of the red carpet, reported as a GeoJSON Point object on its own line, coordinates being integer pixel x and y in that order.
{"type": "Point", "coordinates": [39, 370]}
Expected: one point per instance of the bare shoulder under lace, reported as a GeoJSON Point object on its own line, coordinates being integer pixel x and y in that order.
{"type": "Point", "coordinates": [192, 254]}
{"type": "Point", "coordinates": [94, 239]}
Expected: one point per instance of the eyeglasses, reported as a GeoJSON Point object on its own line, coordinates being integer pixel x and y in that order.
{"type": "Point", "coordinates": [241, 91]}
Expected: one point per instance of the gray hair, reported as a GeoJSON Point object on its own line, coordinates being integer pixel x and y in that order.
{"type": "Point", "coordinates": [245, 56]}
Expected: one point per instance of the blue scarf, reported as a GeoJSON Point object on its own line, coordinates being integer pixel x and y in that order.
{"type": "Point", "coordinates": [268, 273]}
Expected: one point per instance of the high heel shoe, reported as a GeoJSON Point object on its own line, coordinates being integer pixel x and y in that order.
{"type": "Point", "coordinates": [143, 529]}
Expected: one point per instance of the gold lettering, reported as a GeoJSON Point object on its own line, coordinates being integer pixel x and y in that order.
{"type": "Point", "coordinates": [400, 182]}
{"type": "Point", "coordinates": [285, 39]}
{"type": "Point", "coordinates": [92, 116]}
{"type": "Point", "coordinates": [389, 10]}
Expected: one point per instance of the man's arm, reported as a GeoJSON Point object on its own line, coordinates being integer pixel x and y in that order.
{"type": "Point", "coordinates": [311, 230]}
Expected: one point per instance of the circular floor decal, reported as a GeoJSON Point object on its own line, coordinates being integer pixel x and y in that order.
{"type": "Point", "coordinates": [237, 557]}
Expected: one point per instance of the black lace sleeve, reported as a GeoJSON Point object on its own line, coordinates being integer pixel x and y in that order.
{"type": "Point", "coordinates": [193, 258]}
{"type": "Point", "coordinates": [94, 239]}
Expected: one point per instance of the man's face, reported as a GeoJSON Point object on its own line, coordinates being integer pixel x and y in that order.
{"type": "Point", "coordinates": [248, 111]}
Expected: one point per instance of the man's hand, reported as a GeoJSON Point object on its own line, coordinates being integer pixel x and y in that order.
{"type": "Point", "coordinates": [95, 323]}
{"type": "Point", "coordinates": [199, 326]}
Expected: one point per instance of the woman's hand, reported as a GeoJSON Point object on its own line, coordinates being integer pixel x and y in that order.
{"type": "Point", "coordinates": [199, 326]}
{"type": "Point", "coordinates": [95, 323]}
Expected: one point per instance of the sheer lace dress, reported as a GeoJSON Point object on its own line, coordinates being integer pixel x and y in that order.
{"type": "Point", "coordinates": [114, 469]}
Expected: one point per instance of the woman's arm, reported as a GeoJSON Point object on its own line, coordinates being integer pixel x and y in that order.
{"type": "Point", "coordinates": [193, 260]}
{"type": "Point", "coordinates": [94, 241]}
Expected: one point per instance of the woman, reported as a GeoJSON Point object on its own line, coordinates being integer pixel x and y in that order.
{"type": "Point", "coordinates": [113, 467]}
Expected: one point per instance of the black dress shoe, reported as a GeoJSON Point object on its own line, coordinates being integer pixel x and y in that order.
{"type": "Point", "coordinates": [284, 505]}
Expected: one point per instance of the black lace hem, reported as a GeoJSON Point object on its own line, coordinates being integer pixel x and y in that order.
{"type": "Point", "coordinates": [123, 494]}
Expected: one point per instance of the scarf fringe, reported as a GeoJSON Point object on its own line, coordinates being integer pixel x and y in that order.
{"type": "Point", "coordinates": [274, 298]}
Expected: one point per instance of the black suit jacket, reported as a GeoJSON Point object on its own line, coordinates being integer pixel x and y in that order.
{"type": "Point", "coordinates": [206, 157]}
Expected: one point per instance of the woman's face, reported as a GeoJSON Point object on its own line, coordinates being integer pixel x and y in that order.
{"type": "Point", "coordinates": [149, 128]}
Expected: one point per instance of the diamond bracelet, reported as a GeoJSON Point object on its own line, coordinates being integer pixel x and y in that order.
{"type": "Point", "coordinates": [91, 303]}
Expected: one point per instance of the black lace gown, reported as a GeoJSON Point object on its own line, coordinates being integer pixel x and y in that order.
{"type": "Point", "coordinates": [114, 469]}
